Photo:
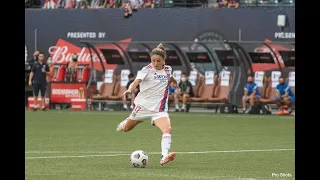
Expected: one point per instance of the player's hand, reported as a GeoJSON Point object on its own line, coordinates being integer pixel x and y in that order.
{"type": "Point", "coordinates": [30, 83]}
{"type": "Point", "coordinates": [43, 70]}
{"type": "Point", "coordinates": [127, 92]}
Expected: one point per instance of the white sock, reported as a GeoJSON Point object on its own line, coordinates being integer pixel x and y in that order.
{"type": "Point", "coordinates": [125, 106]}
{"type": "Point", "coordinates": [43, 107]}
{"type": "Point", "coordinates": [183, 106]}
{"type": "Point", "coordinates": [177, 106]}
{"type": "Point", "coordinates": [132, 106]}
{"type": "Point", "coordinates": [165, 144]}
{"type": "Point", "coordinates": [36, 106]}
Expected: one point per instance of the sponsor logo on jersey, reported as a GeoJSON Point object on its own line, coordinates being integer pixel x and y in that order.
{"type": "Point", "coordinates": [161, 77]}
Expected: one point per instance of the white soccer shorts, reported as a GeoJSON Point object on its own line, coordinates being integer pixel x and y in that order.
{"type": "Point", "coordinates": [140, 113]}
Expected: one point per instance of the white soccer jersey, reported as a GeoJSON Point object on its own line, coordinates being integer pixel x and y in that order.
{"type": "Point", "coordinates": [153, 93]}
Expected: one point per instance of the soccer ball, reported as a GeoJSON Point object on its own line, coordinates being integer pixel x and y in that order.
{"type": "Point", "coordinates": [139, 159]}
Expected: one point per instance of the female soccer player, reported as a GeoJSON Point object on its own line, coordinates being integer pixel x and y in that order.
{"type": "Point", "coordinates": [152, 100]}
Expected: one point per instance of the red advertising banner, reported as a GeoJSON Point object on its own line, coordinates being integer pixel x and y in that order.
{"type": "Point", "coordinates": [64, 92]}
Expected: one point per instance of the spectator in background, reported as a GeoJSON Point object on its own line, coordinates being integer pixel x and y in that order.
{"type": "Point", "coordinates": [131, 96]}
{"type": "Point", "coordinates": [251, 95]}
{"type": "Point", "coordinates": [184, 92]}
{"type": "Point", "coordinates": [66, 4]}
{"type": "Point", "coordinates": [233, 3]}
{"type": "Point", "coordinates": [69, 4]}
{"type": "Point", "coordinates": [34, 59]}
{"type": "Point", "coordinates": [51, 68]}
{"type": "Point", "coordinates": [61, 4]}
{"type": "Point", "coordinates": [81, 4]}
{"type": "Point", "coordinates": [38, 81]}
{"type": "Point", "coordinates": [72, 68]}
{"type": "Point", "coordinates": [95, 4]}
{"type": "Point", "coordinates": [148, 4]}
{"type": "Point", "coordinates": [49, 76]}
{"type": "Point", "coordinates": [109, 4]}
{"type": "Point", "coordinates": [127, 9]}
{"type": "Point", "coordinates": [50, 4]}
{"type": "Point", "coordinates": [42, 2]}
{"type": "Point", "coordinates": [284, 97]}
{"type": "Point", "coordinates": [220, 4]}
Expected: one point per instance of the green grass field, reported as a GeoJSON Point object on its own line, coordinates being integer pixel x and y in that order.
{"type": "Point", "coordinates": [65, 145]}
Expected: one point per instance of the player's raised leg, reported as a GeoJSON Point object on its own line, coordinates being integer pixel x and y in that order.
{"type": "Point", "coordinates": [163, 123]}
{"type": "Point", "coordinates": [134, 119]}
{"type": "Point", "coordinates": [127, 125]}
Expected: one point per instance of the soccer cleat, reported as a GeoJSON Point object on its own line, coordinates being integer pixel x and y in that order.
{"type": "Point", "coordinates": [286, 112]}
{"type": "Point", "coordinates": [280, 112]}
{"type": "Point", "coordinates": [120, 126]}
{"type": "Point", "coordinates": [168, 158]}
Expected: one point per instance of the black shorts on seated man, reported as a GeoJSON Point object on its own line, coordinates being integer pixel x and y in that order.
{"type": "Point", "coordinates": [39, 72]}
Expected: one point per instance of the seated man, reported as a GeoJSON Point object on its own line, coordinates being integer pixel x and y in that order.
{"type": "Point", "coordinates": [130, 96]}
{"type": "Point", "coordinates": [185, 91]}
{"type": "Point", "coordinates": [284, 97]}
{"type": "Point", "coordinates": [251, 94]}
{"type": "Point", "coordinates": [72, 68]}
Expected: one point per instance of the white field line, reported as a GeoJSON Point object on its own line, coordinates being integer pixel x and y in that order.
{"type": "Point", "coordinates": [174, 114]}
{"type": "Point", "coordinates": [126, 154]}
{"type": "Point", "coordinates": [75, 152]}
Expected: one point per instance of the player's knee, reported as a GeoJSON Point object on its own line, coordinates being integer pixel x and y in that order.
{"type": "Point", "coordinates": [244, 98]}
{"type": "Point", "coordinates": [167, 130]}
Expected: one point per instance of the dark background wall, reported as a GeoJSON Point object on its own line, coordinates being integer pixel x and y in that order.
{"type": "Point", "coordinates": [168, 24]}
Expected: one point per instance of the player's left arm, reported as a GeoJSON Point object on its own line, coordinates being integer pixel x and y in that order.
{"type": "Point", "coordinates": [134, 85]}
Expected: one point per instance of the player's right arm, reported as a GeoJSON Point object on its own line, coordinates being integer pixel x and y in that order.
{"type": "Point", "coordinates": [140, 77]}
{"type": "Point", "coordinates": [133, 86]}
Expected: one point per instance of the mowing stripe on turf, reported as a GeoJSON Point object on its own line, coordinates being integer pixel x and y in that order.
{"type": "Point", "coordinates": [126, 154]}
